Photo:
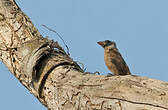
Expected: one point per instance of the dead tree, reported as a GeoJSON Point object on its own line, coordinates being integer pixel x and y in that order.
{"type": "Point", "coordinates": [46, 70]}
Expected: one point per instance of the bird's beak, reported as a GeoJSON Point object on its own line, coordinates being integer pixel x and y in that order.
{"type": "Point", "coordinates": [101, 43]}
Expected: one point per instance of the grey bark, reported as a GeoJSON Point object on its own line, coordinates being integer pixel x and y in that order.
{"type": "Point", "coordinates": [45, 69]}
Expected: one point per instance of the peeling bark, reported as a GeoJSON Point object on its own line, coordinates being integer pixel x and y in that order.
{"type": "Point", "coordinates": [46, 70]}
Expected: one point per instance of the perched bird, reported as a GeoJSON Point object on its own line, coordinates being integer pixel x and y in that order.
{"type": "Point", "coordinates": [113, 58]}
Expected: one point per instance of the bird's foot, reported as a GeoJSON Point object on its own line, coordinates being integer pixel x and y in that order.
{"type": "Point", "coordinates": [109, 75]}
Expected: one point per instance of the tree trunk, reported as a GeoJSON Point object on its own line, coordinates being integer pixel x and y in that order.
{"type": "Point", "coordinates": [46, 70]}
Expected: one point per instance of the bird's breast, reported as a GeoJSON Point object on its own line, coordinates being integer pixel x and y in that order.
{"type": "Point", "coordinates": [108, 61]}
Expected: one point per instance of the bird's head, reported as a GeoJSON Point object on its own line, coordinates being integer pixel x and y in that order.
{"type": "Point", "coordinates": [107, 43]}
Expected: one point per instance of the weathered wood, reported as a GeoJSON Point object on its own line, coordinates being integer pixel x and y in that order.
{"type": "Point", "coordinates": [45, 69]}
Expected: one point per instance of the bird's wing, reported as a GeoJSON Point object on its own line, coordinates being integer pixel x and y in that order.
{"type": "Point", "coordinates": [117, 60]}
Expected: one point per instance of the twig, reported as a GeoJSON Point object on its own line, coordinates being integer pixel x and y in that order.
{"type": "Point", "coordinates": [83, 66]}
{"type": "Point", "coordinates": [58, 36]}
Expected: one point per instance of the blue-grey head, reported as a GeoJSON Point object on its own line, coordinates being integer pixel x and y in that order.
{"type": "Point", "coordinates": [107, 43]}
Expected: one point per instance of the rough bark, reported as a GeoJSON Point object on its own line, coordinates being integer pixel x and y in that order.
{"type": "Point", "coordinates": [45, 69]}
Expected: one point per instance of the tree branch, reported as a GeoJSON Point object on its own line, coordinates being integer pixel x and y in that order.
{"type": "Point", "coordinates": [58, 82]}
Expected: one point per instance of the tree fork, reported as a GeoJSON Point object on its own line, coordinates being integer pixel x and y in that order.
{"type": "Point", "coordinates": [45, 69]}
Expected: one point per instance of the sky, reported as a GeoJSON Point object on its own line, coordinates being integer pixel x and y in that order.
{"type": "Point", "coordinates": [139, 28]}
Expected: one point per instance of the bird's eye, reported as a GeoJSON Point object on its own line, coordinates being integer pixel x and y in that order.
{"type": "Point", "coordinates": [107, 41]}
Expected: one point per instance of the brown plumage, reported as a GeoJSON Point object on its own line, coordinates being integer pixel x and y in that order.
{"type": "Point", "coordinates": [113, 58]}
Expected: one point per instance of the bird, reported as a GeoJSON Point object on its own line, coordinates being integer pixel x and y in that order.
{"type": "Point", "coordinates": [113, 59]}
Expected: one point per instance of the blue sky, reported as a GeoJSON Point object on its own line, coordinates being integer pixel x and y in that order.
{"type": "Point", "coordinates": [139, 27]}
